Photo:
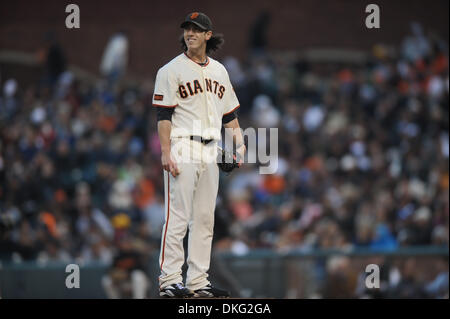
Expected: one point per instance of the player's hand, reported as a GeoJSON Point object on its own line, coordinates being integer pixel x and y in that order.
{"type": "Point", "coordinates": [241, 152]}
{"type": "Point", "coordinates": [169, 164]}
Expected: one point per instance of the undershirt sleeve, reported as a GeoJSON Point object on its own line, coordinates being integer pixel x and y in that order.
{"type": "Point", "coordinates": [229, 117]}
{"type": "Point", "coordinates": [165, 113]}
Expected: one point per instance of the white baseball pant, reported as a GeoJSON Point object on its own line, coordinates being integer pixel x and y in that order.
{"type": "Point", "coordinates": [190, 200]}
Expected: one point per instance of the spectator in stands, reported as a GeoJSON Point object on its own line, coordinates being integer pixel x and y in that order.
{"type": "Point", "coordinates": [115, 59]}
{"type": "Point", "coordinates": [53, 58]}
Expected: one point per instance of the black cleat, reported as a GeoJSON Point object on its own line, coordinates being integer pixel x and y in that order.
{"type": "Point", "coordinates": [211, 292]}
{"type": "Point", "coordinates": [176, 291]}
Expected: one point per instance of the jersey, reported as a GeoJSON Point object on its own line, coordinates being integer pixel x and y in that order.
{"type": "Point", "coordinates": [200, 94]}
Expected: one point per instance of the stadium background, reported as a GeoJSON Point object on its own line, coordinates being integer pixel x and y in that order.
{"type": "Point", "coordinates": [363, 131]}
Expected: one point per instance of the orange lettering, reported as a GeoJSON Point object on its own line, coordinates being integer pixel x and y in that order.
{"type": "Point", "coordinates": [221, 91]}
{"type": "Point", "coordinates": [208, 85]}
{"type": "Point", "coordinates": [182, 91]}
{"type": "Point", "coordinates": [188, 84]}
{"type": "Point", "coordinates": [197, 87]}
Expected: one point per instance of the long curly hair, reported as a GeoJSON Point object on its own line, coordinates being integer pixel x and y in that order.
{"type": "Point", "coordinates": [213, 44]}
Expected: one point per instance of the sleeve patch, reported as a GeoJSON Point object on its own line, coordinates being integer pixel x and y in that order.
{"type": "Point", "coordinates": [158, 97]}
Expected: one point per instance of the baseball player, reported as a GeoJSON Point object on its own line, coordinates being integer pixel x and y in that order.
{"type": "Point", "coordinates": [194, 98]}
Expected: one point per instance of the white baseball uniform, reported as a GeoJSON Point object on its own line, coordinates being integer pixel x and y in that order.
{"type": "Point", "coordinates": [201, 96]}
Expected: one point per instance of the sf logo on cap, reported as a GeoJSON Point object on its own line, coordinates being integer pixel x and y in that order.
{"type": "Point", "coordinates": [194, 15]}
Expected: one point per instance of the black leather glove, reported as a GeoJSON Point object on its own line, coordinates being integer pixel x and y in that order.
{"type": "Point", "coordinates": [227, 161]}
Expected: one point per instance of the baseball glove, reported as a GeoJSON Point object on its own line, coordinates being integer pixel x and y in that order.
{"type": "Point", "coordinates": [227, 161]}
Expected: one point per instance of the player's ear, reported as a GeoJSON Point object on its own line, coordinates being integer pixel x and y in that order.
{"type": "Point", "coordinates": [208, 35]}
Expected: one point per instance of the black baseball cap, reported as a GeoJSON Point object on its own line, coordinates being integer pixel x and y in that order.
{"type": "Point", "coordinates": [199, 19]}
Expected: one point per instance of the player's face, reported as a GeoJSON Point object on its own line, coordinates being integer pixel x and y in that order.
{"type": "Point", "coordinates": [195, 37]}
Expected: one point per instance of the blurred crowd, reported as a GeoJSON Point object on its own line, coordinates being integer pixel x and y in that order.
{"type": "Point", "coordinates": [363, 152]}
